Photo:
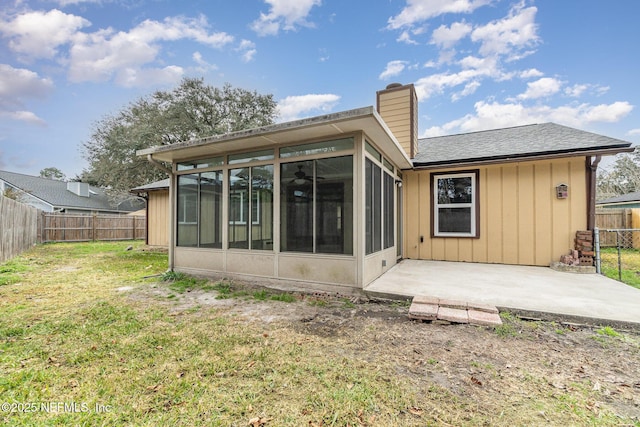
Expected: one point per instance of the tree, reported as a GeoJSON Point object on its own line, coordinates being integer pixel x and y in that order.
{"type": "Point", "coordinates": [191, 110]}
{"type": "Point", "coordinates": [52, 173]}
{"type": "Point", "coordinates": [622, 178]}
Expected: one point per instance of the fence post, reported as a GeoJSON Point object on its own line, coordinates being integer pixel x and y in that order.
{"type": "Point", "coordinates": [133, 228]}
{"type": "Point", "coordinates": [596, 245]}
{"type": "Point", "coordinates": [93, 227]}
{"type": "Point", "coordinates": [619, 261]}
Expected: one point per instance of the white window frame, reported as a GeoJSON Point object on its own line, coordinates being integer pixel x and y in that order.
{"type": "Point", "coordinates": [437, 206]}
{"type": "Point", "coordinates": [185, 209]}
{"type": "Point", "coordinates": [254, 204]}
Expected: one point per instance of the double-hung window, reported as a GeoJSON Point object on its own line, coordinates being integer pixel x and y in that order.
{"type": "Point", "coordinates": [455, 204]}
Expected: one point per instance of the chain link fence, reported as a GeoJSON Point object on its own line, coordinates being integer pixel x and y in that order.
{"type": "Point", "coordinates": [617, 253]}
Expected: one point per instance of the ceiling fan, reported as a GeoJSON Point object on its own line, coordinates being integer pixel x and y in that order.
{"type": "Point", "coordinates": [301, 178]}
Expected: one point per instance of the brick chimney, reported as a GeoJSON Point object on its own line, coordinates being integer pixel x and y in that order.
{"type": "Point", "coordinates": [397, 104]}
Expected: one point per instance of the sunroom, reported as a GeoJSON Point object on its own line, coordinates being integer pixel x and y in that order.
{"type": "Point", "coordinates": [315, 201]}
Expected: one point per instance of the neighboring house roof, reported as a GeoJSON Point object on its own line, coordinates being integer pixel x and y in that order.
{"type": "Point", "coordinates": [55, 193]}
{"type": "Point", "coordinates": [498, 145]}
{"type": "Point", "coordinates": [625, 198]}
{"type": "Point", "coordinates": [154, 186]}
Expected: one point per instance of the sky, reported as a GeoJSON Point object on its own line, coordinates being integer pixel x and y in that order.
{"type": "Point", "coordinates": [475, 64]}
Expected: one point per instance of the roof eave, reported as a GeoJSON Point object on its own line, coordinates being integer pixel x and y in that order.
{"type": "Point", "coordinates": [333, 125]}
{"type": "Point", "coordinates": [596, 151]}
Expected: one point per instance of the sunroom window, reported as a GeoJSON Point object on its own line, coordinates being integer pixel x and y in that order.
{"type": "Point", "coordinates": [200, 210]}
{"type": "Point", "coordinates": [455, 204]}
{"type": "Point", "coordinates": [316, 206]}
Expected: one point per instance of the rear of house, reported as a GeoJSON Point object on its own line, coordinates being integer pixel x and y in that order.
{"type": "Point", "coordinates": [332, 202]}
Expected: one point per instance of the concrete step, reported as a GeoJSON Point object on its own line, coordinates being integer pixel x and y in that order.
{"type": "Point", "coordinates": [430, 309]}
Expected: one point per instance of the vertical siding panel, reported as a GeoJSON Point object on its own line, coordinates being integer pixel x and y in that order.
{"type": "Point", "coordinates": [494, 214]}
{"type": "Point", "coordinates": [465, 250]}
{"type": "Point", "coordinates": [526, 221]}
{"type": "Point", "coordinates": [430, 249]}
{"type": "Point", "coordinates": [578, 196]}
{"type": "Point", "coordinates": [544, 193]}
{"type": "Point", "coordinates": [479, 246]}
{"type": "Point", "coordinates": [561, 209]}
{"type": "Point", "coordinates": [412, 200]}
{"type": "Point", "coordinates": [451, 249]}
{"type": "Point", "coordinates": [510, 214]}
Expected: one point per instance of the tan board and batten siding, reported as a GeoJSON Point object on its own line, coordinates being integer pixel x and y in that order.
{"type": "Point", "coordinates": [521, 220]}
{"type": "Point", "coordinates": [397, 105]}
{"type": "Point", "coordinates": [158, 217]}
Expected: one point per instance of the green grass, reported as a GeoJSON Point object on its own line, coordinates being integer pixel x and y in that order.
{"type": "Point", "coordinates": [630, 259]}
{"type": "Point", "coordinates": [68, 333]}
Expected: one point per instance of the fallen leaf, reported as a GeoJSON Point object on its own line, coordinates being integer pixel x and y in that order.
{"type": "Point", "coordinates": [416, 411]}
{"type": "Point", "coordinates": [349, 386]}
{"type": "Point", "coordinates": [159, 347]}
{"type": "Point", "coordinates": [154, 388]}
{"type": "Point", "coordinates": [180, 375]}
{"type": "Point", "coordinates": [476, 381]}
{"type": "Point", "coordinates": [73, 383]}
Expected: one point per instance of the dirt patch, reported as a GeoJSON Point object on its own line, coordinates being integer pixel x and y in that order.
{"type": "Point", "coordinates": [492, 370]}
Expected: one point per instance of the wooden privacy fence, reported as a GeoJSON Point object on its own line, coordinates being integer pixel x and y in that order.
{"type": "Point", "coordinates": [617, 219]}
{"type": "Point", "coordinates": [18, 227]}
{"type": "Point", "coordinates": [67, 227]}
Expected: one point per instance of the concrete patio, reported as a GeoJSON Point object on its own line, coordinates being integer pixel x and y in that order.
{"type": "Point", "coordinates": [537, 291]}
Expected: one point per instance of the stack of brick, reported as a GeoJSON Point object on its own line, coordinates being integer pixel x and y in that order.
{"type": "Point", "coordinates": [584, 247]}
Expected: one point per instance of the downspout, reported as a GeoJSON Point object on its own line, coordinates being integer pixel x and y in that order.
{"type": "Point", "coordinates": [592, 167]}
{"type": "Point", "coordinates": [169, 172]}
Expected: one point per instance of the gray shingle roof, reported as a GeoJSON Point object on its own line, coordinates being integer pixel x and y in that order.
{"type": "Point", "coordinates": [55, 193]}
{"type": "Point", "coordinates": [515, 142]}
{"type": "Point", "coordinates": [629, 197]}
{"type": "Point", "coordinates": [158, 185]}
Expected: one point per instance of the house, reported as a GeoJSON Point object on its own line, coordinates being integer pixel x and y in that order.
{"type": "Point", "coordinates": [51, 195]}
{"type": "Point", "coordinates": [336, 200]}
{"type": "Point", "coordinates": [157, 211]}
{"type": "Point", "coordinates": [626, 201]}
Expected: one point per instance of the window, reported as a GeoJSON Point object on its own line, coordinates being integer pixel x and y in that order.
{"type": "Point", "coordinates": [455, 204]}
{"type": "Point", "coordinates": [389, 211]}
{"type": "Point", "coordinates": [251, 218]}
{"type": "Point", "coordinates": [373, 207]}
{"type": "Point", "coordinates": [199, 210]}
{"type": "Point", "coordinates": [316, 213]}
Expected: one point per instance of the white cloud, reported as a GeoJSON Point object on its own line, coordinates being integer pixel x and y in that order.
{"type": "Point", "coordinates": [474, 69]}
{"type": "Point", "coordinates": [284, 14]}
{"type": "Point", "coordinates": [576, 90]}
{"type": "Point", "coordinates": [294, 107]}
{"type": "Point", "coordinates": [531, 73]}
{"type": "Point", "coordinates": [496, 115]}
{"type": "Point", "coordinates": [16, 86]}
{"type": "Point", "coordinates": [541, 88]}
{"type": "Point", "coordinates": [248, 50]}
{"type": "Point", "coordinates": [144, 77]}
{"type": "Point", "coordinates": [24, 116]}
{"type": "Point", "coordinates": [393, 69]}
{"type": "Point", "coordinates": [512, 36]}
{"type": "Point", "coordinates": [447, 37]}
{"type": "Point", "coordinates": [104, 54]}
{"type": "Point", "coordinates": [633, 132]}
{"type": "Point", "coordinates": [420, 10]}
{"type": "Point", "coordinates": [469, 89]}
{"type": "Point", "coordinates": [40, 34]}
{"type": "Point", "coordinates": [405, 37]}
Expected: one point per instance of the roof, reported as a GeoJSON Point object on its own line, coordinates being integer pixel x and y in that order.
{"type": "Point", "coordinates": [154, 186]}
{"type": "Point", "coordinates": [509, 144]}
{"type": "Point", "coordinates": [55, 193]}
{"type": "Point", "coordinates": [625, 198]}
{"type": "Point", "coordinates": [364, 119]}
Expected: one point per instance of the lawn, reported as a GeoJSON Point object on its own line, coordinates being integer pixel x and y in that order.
{"type": "Point", "coordinates": [630, 261]}
{"type": "Point", "coordinates": [95, 334]}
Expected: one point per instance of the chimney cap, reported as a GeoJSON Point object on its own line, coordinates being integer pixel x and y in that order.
{"type": "Point", "coordinates": [394, 85]}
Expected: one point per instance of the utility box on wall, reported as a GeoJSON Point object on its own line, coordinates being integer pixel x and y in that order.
{"type": "Point", "coordinates": [562, 191]}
